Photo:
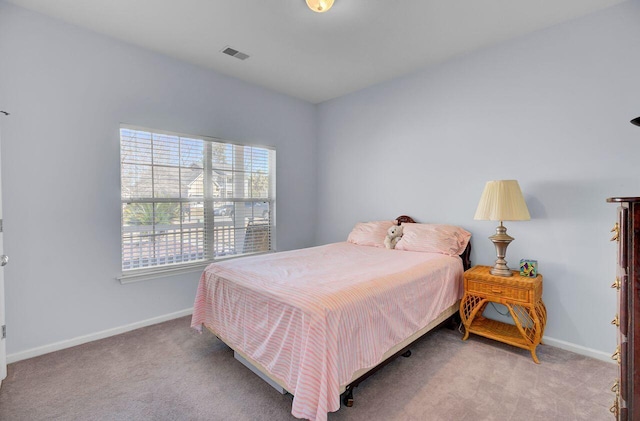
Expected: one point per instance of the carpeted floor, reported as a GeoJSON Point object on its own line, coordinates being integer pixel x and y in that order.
{"type": "Point", "coordinates": [170, 372]}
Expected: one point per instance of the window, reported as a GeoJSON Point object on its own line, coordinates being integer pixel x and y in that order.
{"type": "Point", "coordinates": [190, 199]}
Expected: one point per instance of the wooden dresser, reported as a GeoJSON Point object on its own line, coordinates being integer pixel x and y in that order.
{"type": "Point", "coordinates": [626, 405]}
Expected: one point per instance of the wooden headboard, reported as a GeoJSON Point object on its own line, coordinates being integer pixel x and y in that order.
{"type": "Point", "coordinates": [466, 254]}
{"type": "Point", "coordinates": [404, 218]}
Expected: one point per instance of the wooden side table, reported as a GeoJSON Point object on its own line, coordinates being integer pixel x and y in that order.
{"type": "Point", "coordinates": [523, 298]}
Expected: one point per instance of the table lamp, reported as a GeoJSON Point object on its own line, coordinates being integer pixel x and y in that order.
{"type": "Point", "coordinates": [502, 200]}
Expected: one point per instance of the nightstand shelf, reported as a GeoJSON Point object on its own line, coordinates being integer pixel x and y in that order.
{"type": "Point", "coordinates": [520, 295]}
{"type": "Point", "coordinates": [493, 329]}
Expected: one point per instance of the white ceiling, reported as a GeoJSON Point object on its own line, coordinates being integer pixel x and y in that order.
{"type": "Point", "coordinates": [315, 56]}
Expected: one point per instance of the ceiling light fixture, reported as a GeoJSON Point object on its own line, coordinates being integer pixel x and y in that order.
{"type": "Point", "coordinates": [319, 5]}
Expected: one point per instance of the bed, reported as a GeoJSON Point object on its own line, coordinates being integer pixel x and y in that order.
{"type": "Point", "coordinates": [317, 321]}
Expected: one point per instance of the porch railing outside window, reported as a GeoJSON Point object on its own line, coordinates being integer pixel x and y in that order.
{"type": "Point", "coordinates": [192, 199]}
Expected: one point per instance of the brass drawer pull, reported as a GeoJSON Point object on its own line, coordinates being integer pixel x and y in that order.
{"type": "Point", "coordinates": [616, 387]}
{"type": "Point", "coordinates": [616, 321]}
{"type": "Point", "coordinates": [616, 284]}
{"type": "Point", "coordinates": [496, 290]}
{"type": "Point", "coordinates": [615, 408]}
{"type": "Point", "coordinates": [616, 230]}
{"type": "Point", "coordinates": [616, 355]}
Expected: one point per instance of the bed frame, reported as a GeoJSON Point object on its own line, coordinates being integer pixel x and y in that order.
{"type": "Point", "coordinates": [450, 317]}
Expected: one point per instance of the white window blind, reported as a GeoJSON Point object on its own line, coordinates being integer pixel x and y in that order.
{"type": "Point", "coordinates": [192, 199]}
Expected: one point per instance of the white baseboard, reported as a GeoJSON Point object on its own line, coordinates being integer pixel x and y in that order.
{"type": "Point", "coordinates": [45, 349]}
{"type": "Point", "coordinates": [578, 349]}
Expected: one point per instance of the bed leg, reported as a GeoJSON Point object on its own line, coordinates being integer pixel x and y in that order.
{"type": "Point", "coordinates": [454, 321]}
{"type": "Point", "coordinates": [348, 396]}
{"type": "Point", "coordinates": [407, 354]}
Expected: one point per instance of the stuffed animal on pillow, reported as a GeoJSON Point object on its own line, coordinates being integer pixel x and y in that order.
{"type": "Point", "coordinates": [393, 236]}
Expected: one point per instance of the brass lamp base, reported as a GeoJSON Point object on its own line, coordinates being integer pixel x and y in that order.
{"type": "Point", "coordinates": [501, 240]}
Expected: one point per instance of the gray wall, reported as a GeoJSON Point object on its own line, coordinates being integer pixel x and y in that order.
{"type": "Point", "coordinates": [551, 110]}
{"type": "Point", "coordinates": [68, 90]}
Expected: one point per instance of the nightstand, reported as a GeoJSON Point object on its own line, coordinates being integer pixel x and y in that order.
{"type": "Point", "coordinates": [523, 298]}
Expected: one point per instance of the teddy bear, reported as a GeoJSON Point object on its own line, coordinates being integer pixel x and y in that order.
{"type": "Point", "coordinates": [393, 236]}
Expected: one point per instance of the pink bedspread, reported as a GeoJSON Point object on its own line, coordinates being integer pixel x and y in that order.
{"type": "Point", "coordinates": [313, 317]}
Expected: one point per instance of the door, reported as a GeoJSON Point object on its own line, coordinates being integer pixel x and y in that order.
{"type": "Point", "coordinates": [3, 261]}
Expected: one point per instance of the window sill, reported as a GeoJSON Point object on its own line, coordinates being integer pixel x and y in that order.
{"type": "Point", "coordinates": [148, 274]}
{"type": "Point", "coordinates": [138, 275]}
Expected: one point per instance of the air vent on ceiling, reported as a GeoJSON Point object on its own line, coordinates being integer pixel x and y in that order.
{"type": "Point", "coordinates": [235, 53]}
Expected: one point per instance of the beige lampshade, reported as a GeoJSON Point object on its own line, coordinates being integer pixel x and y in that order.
{"type": "Point", "coordinates": [502, 200]}
{"type": "Point", "coordinates": [319, 5]}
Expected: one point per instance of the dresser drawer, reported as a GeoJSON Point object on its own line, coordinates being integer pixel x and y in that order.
{"type": "Point", "coordinates": [621, 236]}
{"type": "Point", "coordinates": [503, 291]}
